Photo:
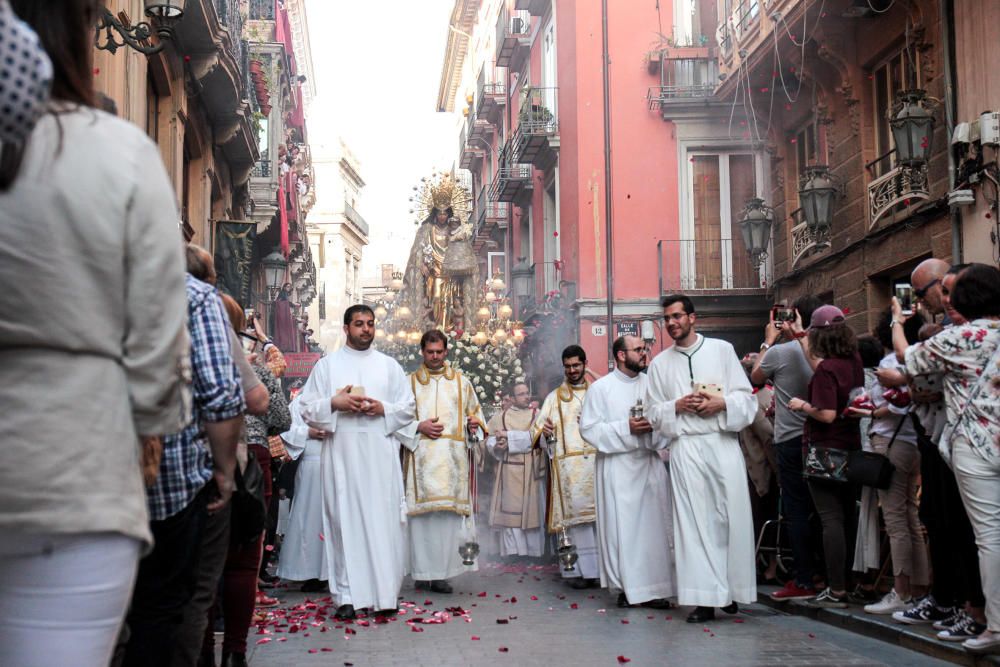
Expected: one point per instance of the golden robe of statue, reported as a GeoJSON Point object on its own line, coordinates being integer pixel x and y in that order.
{"type": "Point", "coordinates": [437, 472]}
{"type": "Point", "coordinates": [572, 460]}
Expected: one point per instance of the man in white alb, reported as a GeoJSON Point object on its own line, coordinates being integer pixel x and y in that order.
{"type": "Point", "coordinates": [355, 401]}
{"type": "Point", "coordinates": [699, 397]}
{"type": "Point", "coordinates": [632, 484]}
{"type": "Point", "coordinates": [571, 469]}
{"type": "Point", "coordinates": [437, 465]}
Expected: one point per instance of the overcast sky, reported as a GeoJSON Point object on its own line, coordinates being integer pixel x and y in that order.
{"type": "Point", "coordinates": [378, 66]}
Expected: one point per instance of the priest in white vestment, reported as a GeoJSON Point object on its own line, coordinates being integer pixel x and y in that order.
{"type": "Point", "coordinates": [632, 484]}
{"type": "Point", "coordinates": [303, 553]}
{"type": "Point", "coordinates": [517, 506]}
{"type": "Point", "coordinates": [438, 465]}
{"type": "Point", "coordinates": [356, 400]}
{"type": "Point", "coordinates": [700, 398]}
{"type": "Point", "coordinates": [572, 465]}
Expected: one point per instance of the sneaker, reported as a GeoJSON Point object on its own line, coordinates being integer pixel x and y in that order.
{"type": "Point", "coordinates": [925, 610]}
{"type": "Point", "coordinates": [946, 623]}
{"type": "Point", "coordinates": [863, 595]}
{"type": "Point", "coordinates": [987, 642]}
{"type": "Point", "coordinates": [828, 600]}
{"type": "Point", "coordinates": [967, 628]}
{"type": "Point", "coordinates": [792, 591]}
{"type": "Point", "coordinates": [889, 604]}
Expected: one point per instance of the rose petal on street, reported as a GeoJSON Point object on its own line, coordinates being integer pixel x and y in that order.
{"type": "Point", "coordinates": [503, 649]}
{"type": "Point", "coordinates": [622, 660]}
{"type": "Point", "coordinates": [264, 640]}
{"type": "Point", "coordinates": [475, 638]}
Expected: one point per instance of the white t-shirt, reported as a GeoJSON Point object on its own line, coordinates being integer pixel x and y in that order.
{"type": "Point", "coordinates": [886, 426]}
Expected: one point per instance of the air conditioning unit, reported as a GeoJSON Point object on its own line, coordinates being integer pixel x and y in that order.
{"type": "Point", "coordinates": [517, 26]}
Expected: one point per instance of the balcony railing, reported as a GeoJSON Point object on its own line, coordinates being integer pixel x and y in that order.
{"type": "Point", "coordinates": [510, 182]}
{"type": "Point", "coordinates": [490, 212]}
{"type": "Point", "coordinates": [709, 264]}
{"type": "Point", "coordinates": [351, 214]}
{"type": "Point", "coordinates": [534, 7]}
{"type": "Point", "coordinates": [537, 123]}
{"type": "Point", "coordinates": [745, 16]}
{"type": "Point", "coordinates": [896, 189]}
{"type": "Point", "coordinates": [683, 80]}
{"type": "Point", "coordinates": [491, 93]}
{"type": "Point", "coordinates": [513, 38]}
{"type": "Point", "coordinates": [469, 151]}
{"type": "Point", "coordinates": [804, 241]}
{"type": "Point", "coordinates": [263, 167]}
{"type": "Point", "coordinates": [232, 21]}
{"type": "Point", "coordinates": [261, 10]}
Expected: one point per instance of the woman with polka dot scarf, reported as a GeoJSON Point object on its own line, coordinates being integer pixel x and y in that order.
{"type": "Point", "coordinates": [25, 77]}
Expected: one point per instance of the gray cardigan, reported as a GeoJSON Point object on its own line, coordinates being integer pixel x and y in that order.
{"type": "Point", "coordinates": [93, 343]}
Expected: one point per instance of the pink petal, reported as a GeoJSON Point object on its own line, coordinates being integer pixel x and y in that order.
{"type": "Point", "coordinates": [622, 660]}
{"type": "Point", "coordinates": [416, 628]}
{"type": "Point", "coordinates": [264, 640]}
{"type": "Point", "coordinates": [475, 638]}
{"type": "Point", "coordinates": [534, 597]}
{"type": "Point", "coordinates": [321, 538]}
{"type": "Point", "coordinates": [574, 606]}
{"type": "Point", "coordinates": [314, 650]}
{"type": "Point", "coordinates": [481, 595]}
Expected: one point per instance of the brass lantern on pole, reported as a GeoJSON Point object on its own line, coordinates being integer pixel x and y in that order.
{"type": "Point", "coordinates": [275, 267]}
{"type": "Point", "coordinates": [817, 197]}
{"type": "Point", "coordinates": [912, 125]}
{"type": "Point", "coordinates": [755, 225]}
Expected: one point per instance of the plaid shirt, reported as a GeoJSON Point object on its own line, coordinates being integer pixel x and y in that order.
{"type": "Point", "coordinates": [186, 465]}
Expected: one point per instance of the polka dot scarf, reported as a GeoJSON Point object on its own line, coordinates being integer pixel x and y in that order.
{"type": "Point", "coordinates": [25, 76]}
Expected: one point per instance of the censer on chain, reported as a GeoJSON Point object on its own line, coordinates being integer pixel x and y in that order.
{"type": "Point", "coordinates": [470, 550]}
{"type": "Point", "coordinates": [567, 551]}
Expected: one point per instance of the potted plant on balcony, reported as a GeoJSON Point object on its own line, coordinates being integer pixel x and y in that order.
{"type": "Point", "coordinates": [531, 112]}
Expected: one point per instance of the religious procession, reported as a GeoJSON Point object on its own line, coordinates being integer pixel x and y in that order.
{"type": "Point", "coordinates": [688, 355]}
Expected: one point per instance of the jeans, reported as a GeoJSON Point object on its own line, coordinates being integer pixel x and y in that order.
{"type": "Point", "coordinates": [954, 558]}
{"type": "Point", "coordinates": [899, 508]}
{"type": "Point", "coordinates": [63, 597]}
{"type": "Point", "coordinates": [796, 507]}
{"type": "Point", "coordinates": [836, 503]}
{"type": "Point", "coordinates": [979, 483]}
{"type": "Point", "coordinates": [166, 582]}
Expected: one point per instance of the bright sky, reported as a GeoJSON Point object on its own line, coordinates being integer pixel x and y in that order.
{"type": "Point", "coordinates": [378, 66]}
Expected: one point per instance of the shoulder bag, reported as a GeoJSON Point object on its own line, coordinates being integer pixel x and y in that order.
{"type": "Point", "coordinates": [249, 512]}
{"type": "Point", "coordinates": [857, 467]}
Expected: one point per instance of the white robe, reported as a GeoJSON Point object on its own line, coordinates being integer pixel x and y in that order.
{"type": "Point", "coordinates": [303, 554]}
{"type": "Point", "coordinates": [632, 489]}
{"type": "Point", "coordinates": [712, 519]}
{"type": "Point", "coordinates": [364, 509]}
{"type": "Point", "coordinates": [518, 541]}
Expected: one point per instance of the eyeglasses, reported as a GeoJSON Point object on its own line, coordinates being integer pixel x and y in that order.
{"type": "Point", "coordinates": [636, 349]}
{"type": "Point", "coordinates": [921, 292]}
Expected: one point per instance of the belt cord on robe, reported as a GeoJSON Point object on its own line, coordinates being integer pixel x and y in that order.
{"type": "Point", "coordinates": [688, 356]}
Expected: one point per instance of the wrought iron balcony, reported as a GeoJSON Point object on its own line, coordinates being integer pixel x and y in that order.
{"type": "Point", "coordinates": [709, 264]}
{"type": "Point", "coordinates": [804, 241]}
{"type": "Point", "coordinates": [896, 189]}
{"type": "Point", "coordinates": [261, 10]}
{"type": "Point", "coordinates": [511, 182]}
{"type": "Point", "coordinates": [536, 136]}
{"type": "Point", "coordinates": [489, 213]}
{"type": "Point", "coordinates": [513, 39]}
{"type": "Point", "coordinates": [684, 80]}
{"type": "Point", "coordinates": [491, 94]}
{"type": "Point", "coordinates": [263, 167]}
{"type": "Point", "coordinates": [469, 151]}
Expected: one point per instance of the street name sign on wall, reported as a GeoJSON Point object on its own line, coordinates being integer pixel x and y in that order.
{"type": "Point", "coordinates": [628, 328]}
{"type": "Point", "coordinates": [300, 364]}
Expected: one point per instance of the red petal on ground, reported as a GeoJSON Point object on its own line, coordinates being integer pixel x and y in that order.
{"type": "Point", "coordinates": [622, 660]}
{"type": "Point", "coordinates": [323, 629]}
{"type": "Point", "coordinates": [326, 649]}
{"type": "Point", "coordinates": [502, 621]}
{"type": "Point", "coordinates": [513, 599]}
{"type": "Point", "coordinates": [574, 606]}
{"type": "Point", "coordinates": [283, 639]}
{"type": "Point", "coordinates": [737, 620]}
{"type": "Point", "coordinates": [481, 595]}
{"type": "Point", "coordinates": [475, 638]}
{"type": "Point", "coordinates": [534, 597]}
{"type": "Point", "coordinates": [321, 538]}
{"type": "Point", "coordinates": [314, 650]}
{"type": "Point", "coordinates": [428, 602]}
{"type": "Point", "coordinates": [503, 649]}
{"type": "Point", "coordinates": [416, 628]}
{"type": "Point", "coordinates": [264, 640]}
{"type": "Point", "coordinates": [625, 621]}
{"type": "Point", "coordinates": [812, 636]}
{"type": "Point", "coordinates": [650, 617]}
{"type": "Point", "coordinates": [706, 630]}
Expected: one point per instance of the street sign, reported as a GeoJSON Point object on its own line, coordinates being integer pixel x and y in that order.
{"type": "Point", "coordinates": [628, 328]}
{"type": "Point", "coordinates": [300, 364]}
{"type": "Point", "coordinates": [599, 330]}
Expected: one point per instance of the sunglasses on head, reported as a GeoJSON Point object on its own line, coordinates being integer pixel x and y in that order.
{"type": "Point", "coordinates": [921, 292]}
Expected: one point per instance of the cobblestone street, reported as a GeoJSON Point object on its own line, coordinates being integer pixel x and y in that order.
{"type": "Point", "coordinates": [526, 616]}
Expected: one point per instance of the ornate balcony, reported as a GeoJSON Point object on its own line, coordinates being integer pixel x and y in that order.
{"type": "Point", "coordinates": [513, 39]}
{"type": "Point", "coordinates": [470, 152]}
{"type": "Point", "coordinates": [490, 213]}
{"type": "Point", "coordinates": [684, 81]}
{"type": "Point", "coordinates": [709, 264]}
{"type": "Point", "coordinates": [900, 187]}
{"type": "Point", "coordinates": [491, 94]}
{"type": "Point", "coordinates": [512, 182]}
{"type": "Point", "coordinates": [536, 139]}
{"type": "Point", "coordinates": [804, 241]}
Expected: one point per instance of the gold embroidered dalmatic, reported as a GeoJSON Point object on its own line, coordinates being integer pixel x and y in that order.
{"type": "Point", "coordinates": [436, 472]}
{"type": "Point", "coordinates": [572, 459]}
{"type": "Point", "coordinates": [518, 476]}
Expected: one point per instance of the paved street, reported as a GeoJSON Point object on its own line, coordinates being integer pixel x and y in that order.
{"type": "Point", "coordinates": [525, 616]}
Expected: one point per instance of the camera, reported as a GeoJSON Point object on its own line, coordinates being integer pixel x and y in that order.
{"type": "Point", "coordinates": [782, 314]}
{"type": "Point", "coordinates": [904, 294]}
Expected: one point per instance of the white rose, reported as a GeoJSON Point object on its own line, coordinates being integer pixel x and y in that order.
{"type": "Point", "coordinates": [466, 360]}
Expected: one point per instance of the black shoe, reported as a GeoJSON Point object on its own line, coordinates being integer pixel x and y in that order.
{"type": "Point", "coordinates": [345, 612]}
{"type": "Point", "coordinates": [579, 583]}
{"type": "Point", "coordinates": [441, 586]}
{"type": "Point", "coordinates": [315, 586]}
{"type": "Point", "coordinates": [701, 614]}
{"type": "Point", "coordinates": [658, 603]}
{"type": "Point", "coordinates": [386, 612]}
{"type": "Point", "coordinates": [234, 660]}
{"type": "Point", "coordinates": [622, 601]}
{"type": "Point", "coordinates": [421, 585]}
{"type": "Point", "coordinates": [731, 608]}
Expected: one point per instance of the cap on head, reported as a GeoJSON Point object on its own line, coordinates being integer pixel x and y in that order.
{"type": "Point", "coordinates": [826, 316]}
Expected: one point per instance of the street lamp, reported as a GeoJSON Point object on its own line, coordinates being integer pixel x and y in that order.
{"type": "Point", "coordinates": [523, 282]}
{"type": "Point", "coordinates": [275, 267]}
{"type": "Point", "coordinates": [816, 198]}
{"type": "Point", "coordinates": [755, 225]}
{"type": "Point", "coordinates": [166, 13]}
{"type": "Point", "coordinates": [912, 128]}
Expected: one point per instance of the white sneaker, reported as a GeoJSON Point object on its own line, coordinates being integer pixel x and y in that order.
{"type": "Point", "coordinates": [987, 642]}
{"type": "Point", "coordinates": [889, 604]}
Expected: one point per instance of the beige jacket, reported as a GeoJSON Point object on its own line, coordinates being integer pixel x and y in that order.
{"type": "Point", "coordinates": [93, 342]}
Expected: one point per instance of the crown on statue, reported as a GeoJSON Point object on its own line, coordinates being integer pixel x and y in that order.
{"type": "Point", "coordinates": [440, 192]}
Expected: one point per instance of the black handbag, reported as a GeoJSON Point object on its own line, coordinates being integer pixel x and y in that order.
{"type": "Point", "coordinates": [871, 468]}
{"type": "Point", "coordinates": [249, 512]}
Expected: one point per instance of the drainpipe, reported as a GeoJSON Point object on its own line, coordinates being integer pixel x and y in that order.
{"type": "Point", "coordinates": [947, 16]}
{"type": "Point", "coordinates": [609, 229]}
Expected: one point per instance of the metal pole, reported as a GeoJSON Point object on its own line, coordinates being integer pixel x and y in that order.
{"type": "Point", "coordinates": [609, 229]}
{"type": "Point", "coordinates": [947, 16]}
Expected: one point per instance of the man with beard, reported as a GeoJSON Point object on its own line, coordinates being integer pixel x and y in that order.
{"type": "Point", "coordinates": [518, 504]}
{"type": "Point", "coordinates": [632, 486]}
{"type": "Point", "coordinates": [437, 464]}
{"type": "Point", "coordinates": [355, 401]}
{"type": "Point", "coordinates": [700, 398]}
{"type": "Point", "coordinates": [571, 470]}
